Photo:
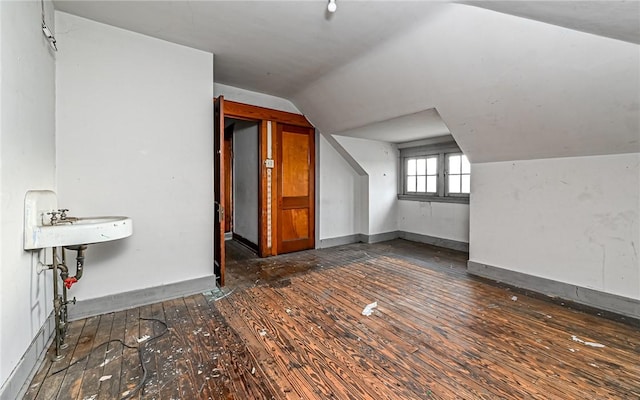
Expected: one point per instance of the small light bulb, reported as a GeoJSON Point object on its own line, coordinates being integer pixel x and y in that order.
{"type": "Point", "coordinates": [332, 6]}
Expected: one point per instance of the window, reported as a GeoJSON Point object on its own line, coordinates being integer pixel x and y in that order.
{"type": "Point", "coordinates": [422, 175]}
{"type": "Point", "coordinates": [434, 172]}
{"type": "Point", "coordinates": [459, 174]}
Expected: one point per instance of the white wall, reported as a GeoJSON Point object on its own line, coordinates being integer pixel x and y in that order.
{"type": "Point", "coordinates": [340, 195]}
{"type": "Point", "coordinates": [573, 220]}
{"type": "Point", "coordinates": [134, 137]}
{"type": "Point", "coordinates": [342, 187]}
{"type": "Point", "coordinates": [27, 161]}
{"type": "Point", "coordinates": [254, 98]}
{"type": "Point", "coordinates": [246, 180]}
{"type": "Point", "coordinates": [380, 161]}
{"type": "Point", "coordinates": [440, 220]}
{"type": "Point", "coordinates": [343, 193]}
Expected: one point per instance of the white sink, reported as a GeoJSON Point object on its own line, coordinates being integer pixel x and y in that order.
{"type": "Point", "coordinates": [81, 231]}
{"type": "Point", "coordinates": [39, 233]}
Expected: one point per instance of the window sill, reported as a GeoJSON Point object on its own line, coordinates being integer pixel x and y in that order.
{"type": "Point", "coordinates": [435, 199]}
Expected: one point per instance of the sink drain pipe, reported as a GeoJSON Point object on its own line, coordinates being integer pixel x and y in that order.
{"type": "Point", "coordinates": [70, 280]}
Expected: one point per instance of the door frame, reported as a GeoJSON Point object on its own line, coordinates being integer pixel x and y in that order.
{"type": "Point", "coordinates": [267, 119]}
{"type": "Point", "coordinates": [228, 178]}
{"type": "Point", "coordinates": [218, 191]}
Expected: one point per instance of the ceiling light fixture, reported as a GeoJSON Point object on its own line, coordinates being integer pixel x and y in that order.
{"type": "Point", "coordinates": [332, 6]}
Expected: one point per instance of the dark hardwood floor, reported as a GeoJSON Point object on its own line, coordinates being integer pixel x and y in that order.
{"type": "Point", "coordinates": [292, 327]}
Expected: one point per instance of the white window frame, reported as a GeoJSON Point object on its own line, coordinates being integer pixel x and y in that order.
{"type": "Point", "coordinates": [441, 149]}
{"type": "Point", "coordinates": [446, 175]}
{"type": "Point", "coordinates": [419, 174]}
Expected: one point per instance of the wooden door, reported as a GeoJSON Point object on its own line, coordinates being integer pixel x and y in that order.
{"type": "Point", "coordinates": [296, 186]}
{"type": "Point", "coordinates": [228, 178]}
{"type": "Point", "coordinates": [218, 189]}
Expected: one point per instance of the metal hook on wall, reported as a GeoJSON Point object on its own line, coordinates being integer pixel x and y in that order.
{"type": "Point", "coordinates": [46, 31]}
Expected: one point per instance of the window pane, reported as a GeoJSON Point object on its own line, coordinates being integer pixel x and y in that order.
{"type": "Point", "coordinates": [432, 166]}
{"type": "Point", "coordinates": [454, 164]}
{"type": "Point", "coordinates": [466, 183]}
{"type": "Point", "coordinates": [411, 184]}
{"type": "Point", "coordinates": [420, 166]}
{"type": "Point", "coordinates": [432, 184]}
{"type": "Point", "coordinates": [466, 167]}
{"type": "Point", "coordinates": [411, 167]}
{"type": "Point", "coordinates": [422, 184]}
{"type": "Point", "coordinates": [454, 183]}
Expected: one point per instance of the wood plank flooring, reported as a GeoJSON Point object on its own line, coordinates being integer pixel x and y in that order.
{"type": "Point", "coordinates": [291, 327]}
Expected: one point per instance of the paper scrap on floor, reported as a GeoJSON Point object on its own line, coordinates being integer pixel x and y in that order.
{"type": "Point", "coordinates": [368, 310]}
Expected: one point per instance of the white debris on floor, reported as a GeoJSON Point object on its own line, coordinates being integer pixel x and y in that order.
{"type": "Point", "coordinates": [143, 339]}
{"type": "Point", "coordinates": [368, 310]}
{"type": "Point", "coordinates": [107, 361]}
{"type": "Point", "coordinates": [105, 378]}
{"type": "Point", "coordinates": [592, 344]}
{"type": "Point", "coordinates": [514, 298]}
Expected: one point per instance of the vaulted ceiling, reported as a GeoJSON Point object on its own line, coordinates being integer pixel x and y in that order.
{"type": "Point", "coordinates": [510, 79]}
{"type": "Point", "coordinates": [274, 47]}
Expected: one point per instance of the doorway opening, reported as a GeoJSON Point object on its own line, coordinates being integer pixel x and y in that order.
{"type": "Point", "coordinates": [264, 181]}
{"type": "Point", "coordinates": [242, 170]}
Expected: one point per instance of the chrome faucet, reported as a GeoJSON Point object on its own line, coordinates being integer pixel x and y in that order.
{"type": "Point", "coordinates": [63, 219]}
{"type": "Point", "coordinates": [54, 216]}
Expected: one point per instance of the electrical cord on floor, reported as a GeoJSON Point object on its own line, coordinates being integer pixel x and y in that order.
{"type": "Point", "coordinates": [140, 349]}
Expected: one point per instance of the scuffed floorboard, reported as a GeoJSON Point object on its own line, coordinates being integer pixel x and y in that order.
{"type": "Point", "coordinates": [292, 327]}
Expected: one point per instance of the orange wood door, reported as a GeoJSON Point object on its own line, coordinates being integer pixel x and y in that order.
{"type": "Point", "coordinates": [296, 188]}
{"type": "Point", "coordinates": [218, 189]}
{"type": "Point", "coordinates": [228, 178]}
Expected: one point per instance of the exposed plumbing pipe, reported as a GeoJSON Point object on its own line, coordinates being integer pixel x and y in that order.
{"type": "Point", "coordinates": [62, 266]}
{"type": "Point", "coordinates": [57, 307]}
{"type": "Point", "coordinates": [69, 281]}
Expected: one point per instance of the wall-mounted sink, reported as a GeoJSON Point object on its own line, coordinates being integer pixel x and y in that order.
{"type": "Point", "coordinates": [40, 233]}
{"type": "Point", "coordinates": [80, 231]}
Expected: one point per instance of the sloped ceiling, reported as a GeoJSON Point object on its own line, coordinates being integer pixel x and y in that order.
{"type": "Point", "coordinates": [273, 47]}
{"type": "Point", "coordinates": [508, 88]}
{"type": "Point", "coordinates": [561, 78]}
{"type": "Point", "coordinates": [613, 19]}
{"type": "Point", "coordinates": [406, 128]}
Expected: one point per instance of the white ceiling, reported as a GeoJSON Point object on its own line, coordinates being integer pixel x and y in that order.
{"type": "Point", "coordinates": [279, 47]}
{"type": "Point", "coordinates": [406, 128]}
{"type": "Point", "coordinates": [614, 19]}
{"type": "Point", "coordinates": [512, 79]}
{"type": "Point", "coordinates": [508, 88]}
{"type": "Point", "coordinates": [274, 47]}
